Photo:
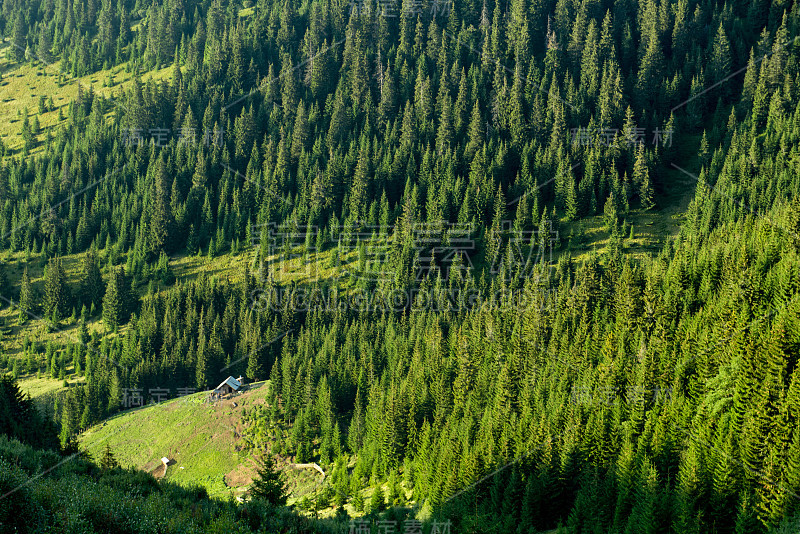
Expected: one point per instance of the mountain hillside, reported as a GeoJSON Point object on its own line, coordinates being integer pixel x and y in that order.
{"type": "Point", "coordinates": [202, 440]}
{"type": "Point", "coordinates": [207, 444]}
{"type": "Point", "coordinates": [517, 265]}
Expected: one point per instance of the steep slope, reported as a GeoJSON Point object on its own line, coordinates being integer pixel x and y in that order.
{"type": "Point", "coordinates": [203, 441]}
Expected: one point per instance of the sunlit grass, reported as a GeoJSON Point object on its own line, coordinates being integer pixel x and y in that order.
{"type": "Point", "coordinates": [24, 83]}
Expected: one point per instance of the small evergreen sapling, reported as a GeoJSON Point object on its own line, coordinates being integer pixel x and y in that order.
{"type": "Point", "coordinates": [108, 462]}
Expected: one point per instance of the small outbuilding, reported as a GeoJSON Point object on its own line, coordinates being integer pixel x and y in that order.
{"type": "Point", "coordinates": [228, 386]}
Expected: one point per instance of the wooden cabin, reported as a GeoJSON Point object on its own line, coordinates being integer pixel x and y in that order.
{"type": "Point", "coordinates": [228, 386]}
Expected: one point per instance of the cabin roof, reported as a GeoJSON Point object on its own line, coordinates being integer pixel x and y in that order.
{"type": "Point", "coordinates": [230, 381]}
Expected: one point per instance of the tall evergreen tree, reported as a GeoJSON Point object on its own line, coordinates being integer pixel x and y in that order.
{"type": "Point", "coordinates": [269, 484]}
{"type": "Point", "coordinates": [57, 295]}
{"type": "Point", "coordinates": [115, 301]}
{"type": "Point", "coordinates": [92, 287]}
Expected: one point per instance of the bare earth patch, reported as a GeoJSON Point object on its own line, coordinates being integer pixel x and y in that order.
{"type": "Point", "coordinates": [241, 475]}
{"type": "Point", "coordinates": [159, 471]}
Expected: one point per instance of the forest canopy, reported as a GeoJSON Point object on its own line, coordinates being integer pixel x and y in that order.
{"type": "Point", "coordinates": [406, 190]}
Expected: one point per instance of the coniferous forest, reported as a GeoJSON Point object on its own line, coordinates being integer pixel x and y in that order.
{"type": "Point", "coordinates": [422, 223]}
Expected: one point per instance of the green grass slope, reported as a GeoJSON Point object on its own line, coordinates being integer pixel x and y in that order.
{"type": "Point", "coordinates": [203, 441]}
{"type": "Point", "coordinates": [206, 443]}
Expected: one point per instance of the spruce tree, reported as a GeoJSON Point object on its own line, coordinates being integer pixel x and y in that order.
{"type": "Point", "coordinates": [115, 304]}
{"type": "Point", "coordinates": [92, 287]}
{"type": "Point", "coordinates": [255, 368]}
{"type": "Point", "coordinates": [25, 296]}
{"type": "Point", "coordinates": [161, 219]}
{"type": "Point", "coordinates": [269, 484]}
{"type": "Point", "coordinates": [108, 462]}
{"type": "Point", "coordinates": [377, 503]}
{"type": "Point", "coordinates": [57, 299]}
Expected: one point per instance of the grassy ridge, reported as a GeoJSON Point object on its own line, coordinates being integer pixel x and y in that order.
{"type": "Point", "coordinates": [23, 84]}
{"type": "Point", "coordinates": [203, 441]}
